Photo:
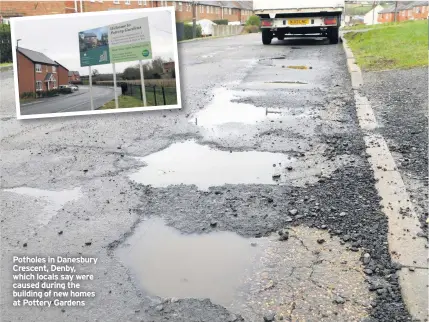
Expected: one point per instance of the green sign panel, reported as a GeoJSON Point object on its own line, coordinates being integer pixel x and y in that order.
{"type": "Point", "coordinates": [94, 47]}
{"type": "Point", "coordinates": [122, 42]}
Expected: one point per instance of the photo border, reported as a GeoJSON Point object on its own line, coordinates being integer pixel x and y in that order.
{"type": "Point", "coordinates": [170, 9]}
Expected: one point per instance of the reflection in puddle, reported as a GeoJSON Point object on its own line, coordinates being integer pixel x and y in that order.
{"type": "Point", "coordinates": [52, 201]}
{"type": "Point", "coordinates": [169, 264]}
{"type": "Point", "coordinates": [222, 110]}
{"type": "Point", "coordinates": [191, 163]}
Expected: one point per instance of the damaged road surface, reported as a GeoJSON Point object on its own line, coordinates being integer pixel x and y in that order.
{"type": "Point", "coordinates": [255, 202]}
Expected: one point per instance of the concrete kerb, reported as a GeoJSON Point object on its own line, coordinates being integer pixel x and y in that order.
{"type": "Point", "coordinates": [404, 247]}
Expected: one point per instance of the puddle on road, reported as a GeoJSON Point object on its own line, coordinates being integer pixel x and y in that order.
{"type": "Point", "coordinates": [301, 277]}
{"type": "Point", "coordinates": [52, 201]}
{"type": "Point", "coordinates": [222, 110]}
{"type": "Point", "coordinates": [191, 163]}
{"type": "Point", "coordinates": [169, 264]}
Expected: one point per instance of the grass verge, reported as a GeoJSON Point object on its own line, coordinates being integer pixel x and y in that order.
{"type": "Point", "coordinates": [123, 102]}
{"type": "Point", "coordinates": [393, 46]}
{"type": "Point", "coordinates": [5, 64]}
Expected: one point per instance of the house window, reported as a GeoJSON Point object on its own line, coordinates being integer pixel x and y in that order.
{"type": "Point", "coordinates": [39, 86]}
{"type": "Point", "coordinates": [54, 69]}
{"type": "Point", "coordinates": [127, 2]}
{"type": "Point", "coordinates": [201, 9]}
{"type": "Point", "coordinates": [38, 68]}
{"type": "Point", "coordinates": [230, 11]}
{"type": "Point", "coordinates": [54, 84]}
{"type": "Point", "coordinates": [47, 70]}
{"type": "Point", "coordinates": [145, 2]}
{"type": "Point", "coordinates": [180, 6]}
{"type": "Point", "coordinates": [115, 1]}
{"type": "Point", "coordinates": [139, 2]}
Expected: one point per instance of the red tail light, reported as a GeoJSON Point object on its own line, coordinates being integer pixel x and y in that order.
{"type": "Point", "coordinates": [266, 23]}
{"type": "Point", "coordinates": [330, 21]}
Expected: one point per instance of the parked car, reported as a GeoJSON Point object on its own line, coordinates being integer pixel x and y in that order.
{"type": "Point", "coordinates": [74, 87]}
{"type": "Point", "coordinates": [65, 89]}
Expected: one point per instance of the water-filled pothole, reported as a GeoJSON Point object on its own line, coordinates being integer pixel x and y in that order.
{"type": "Point", "coordinates": [223, 110]}
{"type": "Point", "coordinates": [52, 201]}
{"type": "Point", "coordinates": [170, 264]}
{"type": "Point", "coordinates": [305, 276]}
{"type": "Point", "coordinates": [190, 163]}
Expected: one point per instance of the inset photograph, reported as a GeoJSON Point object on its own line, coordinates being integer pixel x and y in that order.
{"type": "Point", "coordinates": [95, 63]}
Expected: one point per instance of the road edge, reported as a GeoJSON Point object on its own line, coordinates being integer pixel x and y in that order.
{"type": "Point", "coordinates": [209, 38]}
{"type": "Point", "coordinates": [405, 249]}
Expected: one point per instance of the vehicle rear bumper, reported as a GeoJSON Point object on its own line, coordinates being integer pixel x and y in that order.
{"type": "Point", "coordinates": [307, 22]}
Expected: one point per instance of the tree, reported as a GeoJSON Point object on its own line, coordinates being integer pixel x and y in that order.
{"type": "Point", "coordinates": [131, 73]}
{"type": "Point", "coordinates": [253, 21]}
{"type": "Point", "coordinates": [95, 73]}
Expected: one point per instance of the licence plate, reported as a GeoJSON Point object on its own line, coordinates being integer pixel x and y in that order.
{"type": "Point", "coordinates": [298, 21]}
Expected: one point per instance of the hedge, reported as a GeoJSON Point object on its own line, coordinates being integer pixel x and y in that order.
{"type": "Point", "coordinates": [5, 44]}
{"type": "Point", "coordinates": [188, 31]}
{"type": "Point", "coordinates": [221, 21]}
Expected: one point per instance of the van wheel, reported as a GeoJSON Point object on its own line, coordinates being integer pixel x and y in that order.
{"type": "Point", "coordinates": [334, 35]}
{"type": "Point", "coordinates": [267, 36]}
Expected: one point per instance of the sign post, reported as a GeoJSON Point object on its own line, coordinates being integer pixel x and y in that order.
{"type": "Point", "coordinates": [114, 86]}
{"type": "Point", "coordinates": [142, 83]}
{"type": "Point", "coordinates": [90, 88]}
{"type": "Point", "coordinates": [117, 43]}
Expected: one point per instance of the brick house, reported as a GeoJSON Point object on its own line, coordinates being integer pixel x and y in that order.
{"type": "Point", "coordinates": [386, 15]}
{"type": "Point", "coordinates": [420, 10]}
{"type": "Point", "coordinates": [74, 77]}
{"type": "Point", "coordinates": [231, 10]}
{"type": "Point", "coordinates": [37, 72]}
{"type": "Point", "coordinates": [63, 74]}
{"type": "Point", "coordinates": [409, 10]}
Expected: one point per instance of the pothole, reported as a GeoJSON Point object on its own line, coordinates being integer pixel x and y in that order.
{"type": "Point", "coordinates": [52, 201]}
{"type": "Point", "coordinates": [169, 264]}
{"type": "Point", "coordinates": [190, 163]}
{"type": "Point", "coordinates": [302, 275]}
{"type": "Point", "coordinates": [223, 111]}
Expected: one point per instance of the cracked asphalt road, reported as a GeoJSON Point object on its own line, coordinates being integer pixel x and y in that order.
{"type": "Point", "coordinates": [325, 195]}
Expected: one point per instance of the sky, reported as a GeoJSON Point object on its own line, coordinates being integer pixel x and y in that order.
{"type": "Point", "coordinates": [57, 37]}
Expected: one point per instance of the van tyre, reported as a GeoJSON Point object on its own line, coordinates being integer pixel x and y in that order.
{"type": "Point", "coordinates": [267, 36]}
{"type": "Point", "coordinates": [334, 35]}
